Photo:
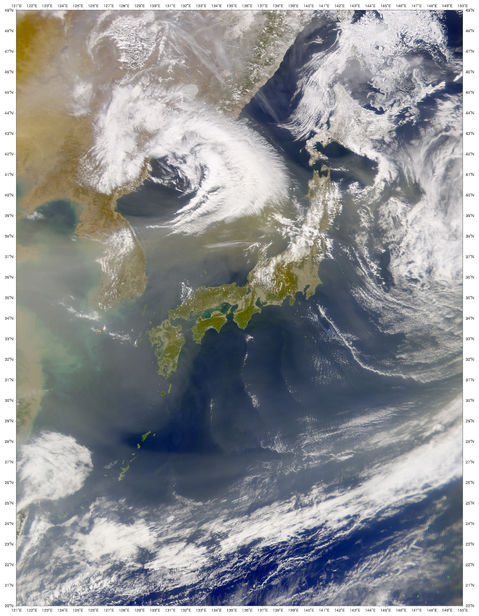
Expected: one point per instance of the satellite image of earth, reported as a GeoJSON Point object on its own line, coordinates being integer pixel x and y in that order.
{"type": "Point", "coordinates": [239, 308]}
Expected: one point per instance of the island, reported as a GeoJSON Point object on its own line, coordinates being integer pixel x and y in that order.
{"type": "Point", "coordinates": [269, 283]}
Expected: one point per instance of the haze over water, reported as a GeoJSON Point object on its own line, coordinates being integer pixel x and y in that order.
{"type": "Point", "coordinates": [313, 458]}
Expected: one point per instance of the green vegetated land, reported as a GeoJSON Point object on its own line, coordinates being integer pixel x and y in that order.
{"type": "Point", "coordinates": [269, 283]}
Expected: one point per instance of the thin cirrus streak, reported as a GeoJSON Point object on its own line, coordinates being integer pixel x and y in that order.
{"type": "Point", "coordinates": [396, 108]}
{"type": "Point", "coordinates": [316, 457]}
{"type": "Point", "coordinates": [100, 533]}
{"type": "Point", "coordinates": [423, 240]}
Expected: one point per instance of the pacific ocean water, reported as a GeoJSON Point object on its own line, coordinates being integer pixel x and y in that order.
{"type": "Point", "coordinates": [232, 435]}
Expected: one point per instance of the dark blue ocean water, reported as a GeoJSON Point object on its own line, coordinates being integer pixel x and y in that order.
{"type": "Point", "coordinates": [289, 374]}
